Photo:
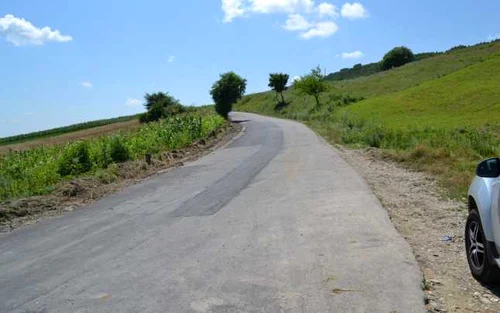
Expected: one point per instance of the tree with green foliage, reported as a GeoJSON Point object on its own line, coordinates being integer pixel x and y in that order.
{"type": "Point", "coordinates": [164, 98]}
{"type": "Point", "coordinates": [277, 82]}
{"type": "Point", "coordinates": [397, 57]}
{"type": "Point", "coordinates": [160, 105]}
{"type": "Point", "coordinates": [227, 91]}
{"type": "Point", "coordinates": [312, 84]}
{"type": "Point", "coordinates": [155, 97]}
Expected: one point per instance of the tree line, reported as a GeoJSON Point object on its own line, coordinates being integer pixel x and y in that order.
{"type": "Point", "coordinates": [231, 87]}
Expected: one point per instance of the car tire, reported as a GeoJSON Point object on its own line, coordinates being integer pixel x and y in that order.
{"type": "Point", "coordinates": [478, 251]}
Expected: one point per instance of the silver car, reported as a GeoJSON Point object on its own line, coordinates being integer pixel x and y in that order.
{"type": "Point", "coordinates": [482, 230]}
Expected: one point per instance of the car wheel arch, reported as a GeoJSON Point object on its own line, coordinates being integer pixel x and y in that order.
{"type": "Point", "coordinates": [472, 205]}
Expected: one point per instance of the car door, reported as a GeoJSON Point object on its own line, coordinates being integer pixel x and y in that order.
{"type": "Point", "coordinates": [495, 211]}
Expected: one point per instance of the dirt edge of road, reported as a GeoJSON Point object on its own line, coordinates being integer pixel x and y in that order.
{"type": "Point", "coordinates": [433, 226]}
{"type": "Point", "coordinates": [71, 195]}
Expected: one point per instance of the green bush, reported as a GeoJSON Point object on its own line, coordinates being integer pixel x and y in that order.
{"type": "Point", "coordinates": [75, 159]}
{"type": "Point", "coordinates": [100, 154]}
{"type": "Point", "coordinates": [118, 151]}
{"type": "Point", "coordinates": [172, 110]}
{"type": "Point", "coordinates": [397, 57]}
{"type": "Point", "coordinates": [161, 105]}
{"type": "Point", "coordinates": [155, 113]}
{"type": "Point", "coordinates": [160, 110]}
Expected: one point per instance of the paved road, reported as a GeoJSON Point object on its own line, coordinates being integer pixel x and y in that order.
{"type": "Point", "coordinates": [274, 222]}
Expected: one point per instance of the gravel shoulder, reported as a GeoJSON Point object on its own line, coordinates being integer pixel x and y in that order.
{"type": "Point", "coordinates": [433, 225]}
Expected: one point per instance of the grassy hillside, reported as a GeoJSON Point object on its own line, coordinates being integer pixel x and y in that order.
{"type": "Point", "coordinates": [468, 97]}
{"type": "Point", "coordinates": [380, 84]}
{"type": "Point", "coordinates": [439, 115]}
{"type": "Point", "coordinates": [416, 73]}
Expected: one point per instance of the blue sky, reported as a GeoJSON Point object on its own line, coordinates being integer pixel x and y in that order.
{"type": "Point", "coordinates": [96, 59]}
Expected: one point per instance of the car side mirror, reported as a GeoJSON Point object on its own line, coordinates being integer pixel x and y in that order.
{"type": "Point", "coordinates": [489, 168]}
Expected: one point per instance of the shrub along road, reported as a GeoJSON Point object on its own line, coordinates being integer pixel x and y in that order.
{"type": "Point", "coordinates": [274, 222]}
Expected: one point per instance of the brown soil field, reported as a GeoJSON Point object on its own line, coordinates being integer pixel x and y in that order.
{"type": "Point", "coordinates": [81, 134]}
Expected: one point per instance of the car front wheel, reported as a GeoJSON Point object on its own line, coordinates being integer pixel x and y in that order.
{"type": "Point", "coordinates": [478, 254]}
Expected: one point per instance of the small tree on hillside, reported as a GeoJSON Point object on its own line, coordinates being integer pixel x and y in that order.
{"type": "Point", "coordinates": [277, 82]}
{"type": "Point", "coordinates": [397, 57]}
{"type": "Point", "coordinates": [226, 91]}
{"type": "Point", "coordinates": [312, 84]}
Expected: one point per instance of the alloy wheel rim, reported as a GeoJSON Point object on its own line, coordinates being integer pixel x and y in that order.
{"type": "Point", "coordinates": [476, 246]}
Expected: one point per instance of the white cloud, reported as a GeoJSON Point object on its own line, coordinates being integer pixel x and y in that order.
{"type": "Point", "coordinates": [87, 85]}
{"type": "Point", "coordinates": [321, 29]}
{"type": "Point", "coordinates": [19, 32]}
{"type": "Point", "coordinates": [296, 78]}
{"type": "Point", "coordinates": [303, 15]}
{"type": "Point", "coordinates": [354, 11]}
{"type": "Point", "coordinates": [493, 37]}
{"type": "Point", "coordinates": [171, 59]}
{"type": "Point", "coordinates": [353, 55]}
{"type": "Point", "coordinates": [296, 22]}
{"type": "Point", "coordinates": [236, 8]}
{"type": "Point", "coordinates": [232, 9]}
{"type": "Point", "coordinates": [133, 102]}
{"type": "Point", "coordinates": [286, 6]}
{"type": "Point", "coordinates": [327, 9]}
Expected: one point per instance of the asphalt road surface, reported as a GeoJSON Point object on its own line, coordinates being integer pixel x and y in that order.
{"type": "Point", "coordinates": [274, 222]}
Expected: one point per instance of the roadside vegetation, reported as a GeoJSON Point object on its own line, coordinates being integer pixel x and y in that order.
{"type": "Point", "coordinates": [167, 126]}
{"type": "Point", "coordinates": [37, 171]}
{"type": "Point", "coordinates": [438, 115]}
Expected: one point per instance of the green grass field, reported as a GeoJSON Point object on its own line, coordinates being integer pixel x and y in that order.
{"type": "Point", "coordinates": [416, 73]}
{"type": "Point", "coordinates": [468, 97]}
{"type": "Point", "coordinates": [439, 115]}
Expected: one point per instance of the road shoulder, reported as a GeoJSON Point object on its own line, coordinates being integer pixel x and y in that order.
{"type": "Point", "coordinates": [432, 225]}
